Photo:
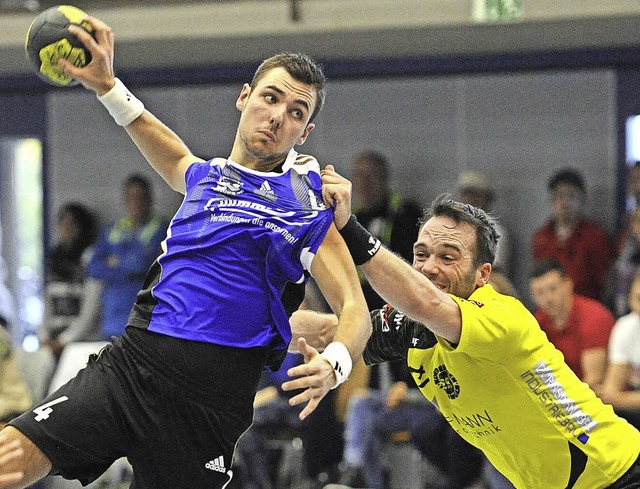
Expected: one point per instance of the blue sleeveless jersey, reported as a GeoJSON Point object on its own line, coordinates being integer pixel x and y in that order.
{"type": "Point", "coordinates": [237, 239]}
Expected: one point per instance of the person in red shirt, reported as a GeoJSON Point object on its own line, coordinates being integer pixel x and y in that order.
{"type": "Point", "coordinates": [582, 247]}
{"type": "Point", "coordinates": [577, 326]}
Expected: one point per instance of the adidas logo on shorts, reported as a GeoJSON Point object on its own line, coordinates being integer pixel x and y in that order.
{"type": "Point", "coordinates": [216, 464]}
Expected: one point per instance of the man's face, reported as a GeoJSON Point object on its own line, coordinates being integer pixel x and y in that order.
{"type": "Point", "coordinates": [634, 182]}
{"type": "Point", "coordinates": [137, 202]}
{"type": "Point", "coordinates": [567, 202]}
{"type": "Point", "coordinates": [445, 252]}
{"type": "Point", "coordinates": [634, 296]}
{"type": "Point", "coordinates": [634, 222]}
{"type": "Point", "coordinates": [68, 228]}
{"type": "Point", "coordinates": [369, 183]}
{"type": "Point", "coordinates": [275, 116]}
{"type": "Point", "coordinates": [552, 292]}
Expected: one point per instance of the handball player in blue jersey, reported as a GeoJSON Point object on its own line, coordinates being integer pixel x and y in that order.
{"type": "Point", "coordinates": [175, 392]}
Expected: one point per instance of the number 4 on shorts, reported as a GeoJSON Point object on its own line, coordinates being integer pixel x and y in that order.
{"type": "Point", "coordinates": [45, 410]}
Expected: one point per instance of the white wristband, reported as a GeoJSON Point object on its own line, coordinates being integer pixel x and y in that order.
{"type": "Point", "coordinates": [123, 106]}
{"type": "Point", "coordinates": [338, 357]}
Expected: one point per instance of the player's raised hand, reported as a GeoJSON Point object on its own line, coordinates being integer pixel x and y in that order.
{"type": "Point", "coordinates": [98, 75]}
{"type": "Point", "coordinates": [336, 193]}
{"type": "Point", "coordinates": [315, 376]}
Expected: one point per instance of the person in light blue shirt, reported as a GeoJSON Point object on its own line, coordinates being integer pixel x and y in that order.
{"type": "Point", "coordinates": [124, 252]}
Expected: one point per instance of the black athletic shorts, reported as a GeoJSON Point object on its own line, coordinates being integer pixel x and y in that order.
{"type": "Point", "coordinates": [174, 408]}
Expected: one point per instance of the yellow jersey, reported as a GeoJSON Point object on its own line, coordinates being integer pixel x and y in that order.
{"type": "Point", "coordinates": [507, 390]}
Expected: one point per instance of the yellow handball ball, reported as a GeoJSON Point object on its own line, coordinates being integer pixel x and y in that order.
{"type": "Point", "coordinates": [48, 40]}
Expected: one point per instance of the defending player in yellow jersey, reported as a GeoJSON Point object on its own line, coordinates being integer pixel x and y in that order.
{"type": "Point", "coordinates": [480, 356]}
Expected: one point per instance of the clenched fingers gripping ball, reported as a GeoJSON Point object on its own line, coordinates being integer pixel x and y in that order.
{"type": "Point", "coordinates": [48, 40]}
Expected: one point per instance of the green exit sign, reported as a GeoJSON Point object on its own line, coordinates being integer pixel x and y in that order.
{"type": "Point", "coordinates": [497, 10]}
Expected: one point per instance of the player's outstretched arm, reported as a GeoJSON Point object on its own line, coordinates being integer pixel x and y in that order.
{"type": "Point", "coordinates": [392, 278]}
{"type": "Point", "coordinates": [414, 294]}
{"type": "Point", "coordinates": [162, 148]}
{"type": "Point", "coordinates": [336, 276]}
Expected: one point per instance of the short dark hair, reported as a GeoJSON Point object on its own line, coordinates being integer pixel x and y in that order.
{"type": "Point", "coordinates": [570, 176]}
{"type": "Point", "coordinates": [302, 68]}
{"type": "Point", "coordinates": [86, 221]}
{"type": "Point", "coordinates": [484, 224]}
{"type": "Point", "coordinates": [546, 265]}
{"type": "Point", "coordinates": [139, 180]}
{"type": "Point", "coordinates": [376, 158]}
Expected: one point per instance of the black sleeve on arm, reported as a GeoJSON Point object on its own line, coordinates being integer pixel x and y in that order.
{"type": "Point", "coordinates": [361, 243]}
{"type": "Point", "coordinates": [393, 334]}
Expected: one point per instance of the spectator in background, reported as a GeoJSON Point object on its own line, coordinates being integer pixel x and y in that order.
{"type": "Point", "coordinates": [386, 214]}
{"type": "Point", "coordinates": [70, 301]}
{"type": "Point", "coordinates": [475, 188]}
{"type": "Point", "coordinates": [621, 388]}
{"type": "Point", "coordinates": [627, 249]}
{"type": "Point", "coordinates": [581, 246]}
{"type": "Point", "coordinates": [624, 267]}
{"type": "Point", "coordinates": [633, 193]}
{"type": "Point", "coordinates": [577, 326]}
{"type": "Point", "coordinates": [400, 411]}
{"type": "Point", "coordinates": [124, 252]}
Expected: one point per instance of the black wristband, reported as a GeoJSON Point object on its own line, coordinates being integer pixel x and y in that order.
{"type": "Point", "coordinates": [361, 243]}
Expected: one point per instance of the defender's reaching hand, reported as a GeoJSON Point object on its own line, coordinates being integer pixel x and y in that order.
{"type": "Point", "coordinates": [336, 192]}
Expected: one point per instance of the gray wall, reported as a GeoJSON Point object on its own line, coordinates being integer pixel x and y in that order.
{"type": "Point", "coordinates": [518, 128]}
{"type": "Point", "coordinates": [204, 33]}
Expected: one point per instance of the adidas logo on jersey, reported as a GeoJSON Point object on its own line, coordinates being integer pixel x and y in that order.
{"type": "Point", "coordinates": [265, 192]}
{"type": "Point", "coordinates": [216, 464]}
